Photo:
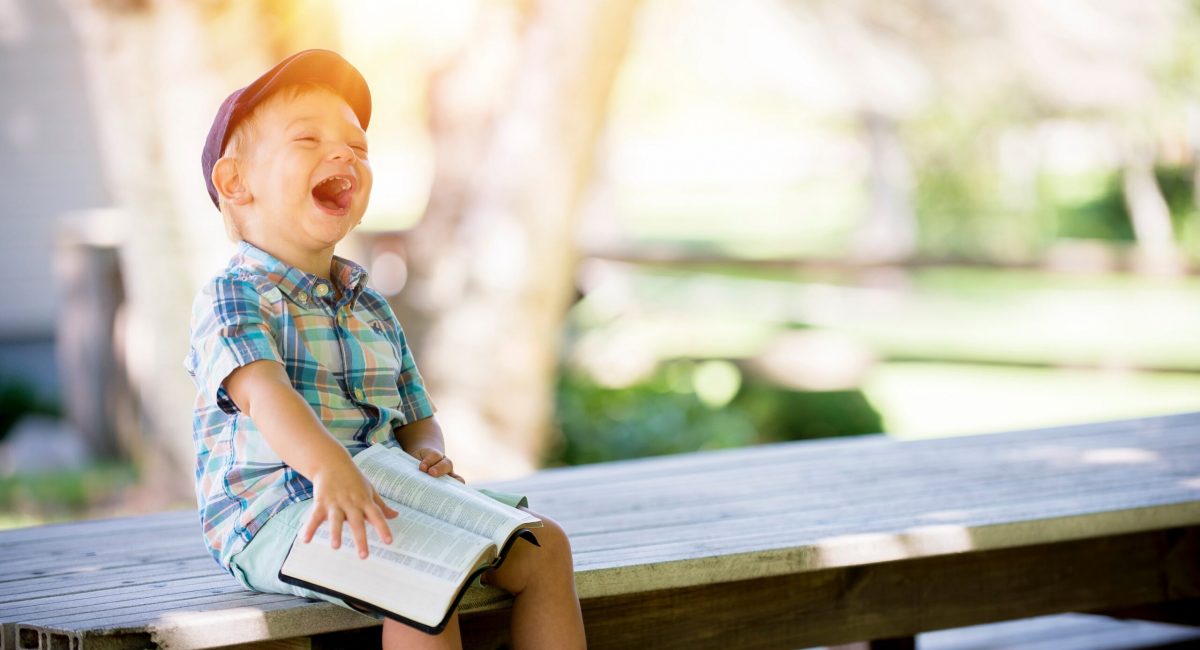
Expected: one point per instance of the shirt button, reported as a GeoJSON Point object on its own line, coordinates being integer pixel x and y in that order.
{"type": "Point", "coordinates": [358, 392]}
{"type": "Point", "coordinates": [302, 298]}
{"type": "Point", "coordinates": [322, 290]}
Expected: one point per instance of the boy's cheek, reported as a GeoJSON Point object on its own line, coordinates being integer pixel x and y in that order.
{"type": "Point", "coordinates": [245, 223]}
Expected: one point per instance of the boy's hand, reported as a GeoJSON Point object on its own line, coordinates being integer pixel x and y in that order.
{"type": "Point", "coordinates": [342, 494]}
{"type": "Point", "coordinates": [435, 463]}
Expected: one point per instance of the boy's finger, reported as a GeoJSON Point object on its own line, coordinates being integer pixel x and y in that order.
{"type": "Point", "coordinates": [429, 458]}
{"type": "Point", "coordinates": [314, 522]}
{"type": "Point", "coordinates": [458, 478]}
{"type": "Point", "coordinates": [358, 531]}
{"type": "Point", "coordinates": [335, 527]}
{"type": "Point", "coordinates": [443, 466]}
{"type": "Point", "coordinates": [387, 510]}
{"type": "Point", "coordinates": [375, 516]}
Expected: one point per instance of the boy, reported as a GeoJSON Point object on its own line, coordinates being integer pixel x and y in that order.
{"type": "Point", "coordinates": [299, 364]}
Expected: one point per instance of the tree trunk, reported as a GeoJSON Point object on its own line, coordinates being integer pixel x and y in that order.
{"type": "Point", "coordinates": [1157, 252]}
{"type": "Point", "coordinates": [157, 73]}
{"type": "Point", "coordinates": [888, 232]}
{"type": "Point", "coordinates": [491, 266]}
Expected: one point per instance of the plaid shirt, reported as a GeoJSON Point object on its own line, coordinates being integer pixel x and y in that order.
{"type": "Point", "coordinates": [346, 356]}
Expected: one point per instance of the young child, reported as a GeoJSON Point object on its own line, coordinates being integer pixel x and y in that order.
{"type": "Point", "coordinates": [299, 364]}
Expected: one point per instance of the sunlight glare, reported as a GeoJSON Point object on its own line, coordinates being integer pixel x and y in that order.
{"type": "Point", "coordinates": [14, 26]}
{"type": "Point", "coordinates": [1119, 455]}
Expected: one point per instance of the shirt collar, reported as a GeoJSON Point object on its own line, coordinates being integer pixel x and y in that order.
{"type": "Point", "coordinates": [349, 277]}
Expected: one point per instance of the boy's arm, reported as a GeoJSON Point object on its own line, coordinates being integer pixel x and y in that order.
{"type": "Point", "coordinates": [423, 439]}
{"type": "Point", "coordinates": [262, 391]}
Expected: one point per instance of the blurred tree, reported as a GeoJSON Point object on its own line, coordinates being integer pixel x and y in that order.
{"type": "Point", "coordinates": [993, 69]}
{"type": "Point", "coordinates": [515, 120]}
{"type": "Point", "coordinates": [158, 71]}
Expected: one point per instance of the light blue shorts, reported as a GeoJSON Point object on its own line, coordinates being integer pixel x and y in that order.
{"type": "Point", "coordinates": [257, 565]}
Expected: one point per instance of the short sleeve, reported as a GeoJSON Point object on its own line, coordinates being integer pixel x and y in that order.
{"type": "Point", "coordinates": [231, 327]}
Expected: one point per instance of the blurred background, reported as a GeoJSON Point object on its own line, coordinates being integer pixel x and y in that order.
{"type": "Point", "coordinates": [619, 228]}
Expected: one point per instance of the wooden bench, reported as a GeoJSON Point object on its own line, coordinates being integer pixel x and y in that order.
{"type": "Point", "coordinates": [789, 545]}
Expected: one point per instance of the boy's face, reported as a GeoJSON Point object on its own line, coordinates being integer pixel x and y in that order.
{"type": "Point", "coordinates": [307, 172]}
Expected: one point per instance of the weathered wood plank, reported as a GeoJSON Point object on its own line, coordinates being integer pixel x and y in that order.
{"type": "Point", "coordinates": [847, 449]}
{"type": "Point", "coordinates": [631, 575]}
{"type": "Point", "coordinates": [103, 560]}
{"type": "Point", "coordinates": [707, 489]}
{"type": "Point", "coordinates": [677, 524]}
{"type": "Point", "coordinates": [1014, 481]}
{"type": "Point", "coordinates": [1060, 632]}
{"type": "Point", "coordinates": [84, 580]}
{"type": "Point", "coordinates": [882, 600]}
{"type": "Point", "coordinates": [118, 618]}
{"type": "Point", "coordinates": [758, 528]}
{"type": "Point", "coordinates": [950, 506]}
{"type": "Point", "coordinates": [69, 603]}
{"type": "Point", "coordinates": [159, 537]}
{"type": "Point", "coordinates": [1172, 458]}
{"type": "Point", "coordinates": [88, 528]}
{"type": "Point", "coordinates": [715, 508]}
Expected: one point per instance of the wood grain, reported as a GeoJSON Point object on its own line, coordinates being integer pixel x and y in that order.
{"type": "Point", "coordinates": [814, 542]}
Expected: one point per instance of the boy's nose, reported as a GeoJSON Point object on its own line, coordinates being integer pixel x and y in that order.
{"type": "Point", "coordinates": [341, 152]}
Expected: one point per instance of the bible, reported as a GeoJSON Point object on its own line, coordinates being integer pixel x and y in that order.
{"type": "Point", "coordinates": [446, 535]}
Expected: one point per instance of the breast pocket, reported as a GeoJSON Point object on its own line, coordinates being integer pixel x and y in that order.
{"type": "Point", "coordinates": [382, 362]}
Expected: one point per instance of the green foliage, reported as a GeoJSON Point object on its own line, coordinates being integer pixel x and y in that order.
{"type": "Point", "coordinates": [18, 399]}
{"type": "Point", "coordinates": [1093, 206]}
{"type": "Point", "coordinates": [779, 414]}
{"type": "Point", "coordinates": [656, 417]}
{"type": "Point", "coordinates": [1088, 206]}
{"type": "Point", "coordinates": [1178, 187]}
{"type": "Point", "coordinates": [64, 493]}
{"type": "Point", "coordinates": [965, 206]}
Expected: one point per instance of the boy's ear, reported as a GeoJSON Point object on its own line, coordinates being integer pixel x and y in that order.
{"type": "Point", "coordinates": [227, 178]}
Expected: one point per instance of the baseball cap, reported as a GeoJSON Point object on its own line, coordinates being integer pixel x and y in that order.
{"type": "Point", "coordinates": [321, 66]}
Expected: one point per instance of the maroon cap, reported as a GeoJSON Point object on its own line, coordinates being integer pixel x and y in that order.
{"type": "Point", "coordinates": [320, 66]}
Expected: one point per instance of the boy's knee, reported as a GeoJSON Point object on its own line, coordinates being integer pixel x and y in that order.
{"type": "Point", "coordinates": [553, 540]}
{"type": "Point", "coordinates": [549, 560]}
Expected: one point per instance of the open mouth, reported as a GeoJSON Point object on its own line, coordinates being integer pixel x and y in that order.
{"type": "Point", "coordinates": [334, 194]}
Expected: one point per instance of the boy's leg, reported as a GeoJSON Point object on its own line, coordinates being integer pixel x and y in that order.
{"type": "Point", "coordinates": [542, 580]}
{"type": "Point", "coordinates": [398, 636]}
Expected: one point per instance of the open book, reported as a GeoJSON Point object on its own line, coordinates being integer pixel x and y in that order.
{"type": "Point", "coordinates": [445, 535]}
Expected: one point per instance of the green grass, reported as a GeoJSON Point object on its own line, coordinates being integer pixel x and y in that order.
{"type": "Point", "coordinates": [959, 350]}
{"type": "Point", "coordinates": [929, 400]}
{"type": "Point", "coordinates": [964, 315]}
{"type": "Point", "coordinates": [28, 499]}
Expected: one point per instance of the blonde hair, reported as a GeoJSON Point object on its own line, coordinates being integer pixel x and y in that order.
{"type": "Point", "coordinates": [241, 141]}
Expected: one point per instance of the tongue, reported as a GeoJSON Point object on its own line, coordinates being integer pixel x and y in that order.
{"type": "Point", "coordinates": [326, 203]}
{"type": "Point", "coordinates": [331, 200]}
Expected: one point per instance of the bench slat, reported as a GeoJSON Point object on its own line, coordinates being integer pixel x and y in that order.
{"type": "Point", "coordinates": [848, 450]}
{"type": "Point", "coordinates": [703, 501]}
{"type": "Point", "coordinates": [103, 580]}
{"type": "Point", "coordinates": [964, 509]}
{"type": "Point", "coordinates": [148, 530]}
{"type": "Point", "coordinates": [649, 497]}
{"type": "Point", "coordinates": [140, 618]}
{"type": "Point", "coordinates": [683, 522]}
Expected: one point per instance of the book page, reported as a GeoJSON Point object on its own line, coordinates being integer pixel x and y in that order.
{"type": "Point", "coordinates": [397, 476]}
{"type": "Point", "coordinates": [417, 575]}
